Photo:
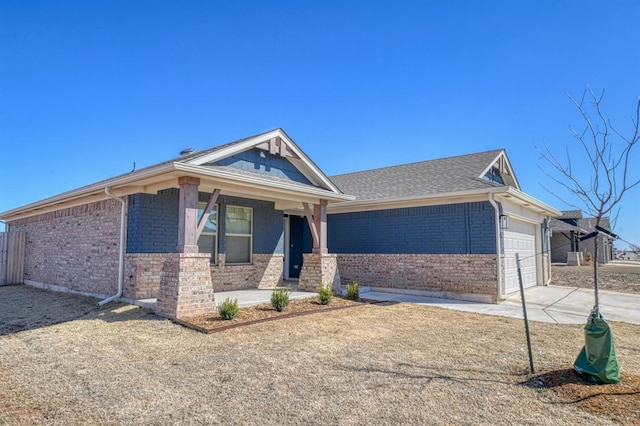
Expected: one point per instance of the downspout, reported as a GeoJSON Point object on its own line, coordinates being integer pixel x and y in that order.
{"type": "Point", "coordinates": [496, 209]}
{"type": "Point", "coordinates": [123, 214]}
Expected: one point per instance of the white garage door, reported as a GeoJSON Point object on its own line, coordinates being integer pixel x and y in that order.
{"type": "Point", "coordinates": [519, 238]}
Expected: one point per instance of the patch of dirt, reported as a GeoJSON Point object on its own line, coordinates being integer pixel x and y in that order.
{"type": "Point", "coordinates": [209, 323]}
{"type": "Point", "coordinates": [620, 402]}
{"type": "Point", "coordinates": [614, 277]}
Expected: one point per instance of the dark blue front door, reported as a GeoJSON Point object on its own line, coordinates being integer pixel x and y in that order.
{"type": "Point", "coordinates": [296, 241]}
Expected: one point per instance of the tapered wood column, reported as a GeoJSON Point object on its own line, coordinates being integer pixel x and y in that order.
{"type": "Point", "coordinates": [317, 221]}
{"type": "Point", "coordinates": [188, 215]}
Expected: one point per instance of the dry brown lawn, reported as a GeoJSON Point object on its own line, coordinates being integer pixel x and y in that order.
{"type": "Point", "coordinates": [374, 364]}
{"type": "Point", "coordinates": [623, 277]}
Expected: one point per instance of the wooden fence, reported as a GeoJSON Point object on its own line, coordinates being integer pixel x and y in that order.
{"type": "Point", "coordinates": [12, 251]}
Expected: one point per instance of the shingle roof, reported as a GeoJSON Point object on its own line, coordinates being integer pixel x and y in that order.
{"type": "Point", "coordinates": [585, 226]}
{"type": "Point", "coordinates": [571, 214]}
{"type": "Point", "coordinates": [589, 223]}
{"type": "Point", "coordinates": [561, 226]}
{"type": "Point", "coordinates": [444, 175]}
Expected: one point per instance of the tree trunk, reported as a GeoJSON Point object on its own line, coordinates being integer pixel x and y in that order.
{"type": "Point", "coordinates": [596, 307]}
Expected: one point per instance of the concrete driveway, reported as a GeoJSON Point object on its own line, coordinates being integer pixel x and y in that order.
{"type": "Point", "coordinates": [554, 304]}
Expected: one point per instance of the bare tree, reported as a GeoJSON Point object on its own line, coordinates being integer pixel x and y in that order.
{"type": "Point", "coordinates": [601, 177]}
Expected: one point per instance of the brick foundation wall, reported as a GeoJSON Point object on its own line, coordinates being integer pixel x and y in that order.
{"type": "Point", "coordinates": [142, 273]}
{"type": "Point", "coordinates": [460, 276]}
{"type": "Point", "coordinates": [264, 272]}
{"type": "Point", "coordinates": [76, 248]}
{"type": "Point", "coordinates": [185, 286]}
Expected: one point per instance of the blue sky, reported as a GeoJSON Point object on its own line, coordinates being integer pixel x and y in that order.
{"type": "Point", "coordinates": [87, 88]}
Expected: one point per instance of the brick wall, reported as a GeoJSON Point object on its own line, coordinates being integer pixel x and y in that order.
{"type": "Point", "coordinates": [319, 269]}
{"type": "Point", "coordinates": [142, 273]}
{"type": "Point", "coordinates": [185, 286]}
{"type": "Point", "coordinates": [467, 277]}
{"type": "Point", "coordinates": [466, 228]}
{"type": "Point", "coordinates": [264, 272]}
{"type": "Point", "coordinates": [76, 248]}
{"type": "Point", "coordinates": [152, 222]}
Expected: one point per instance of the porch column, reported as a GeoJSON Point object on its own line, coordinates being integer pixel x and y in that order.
{"type": "Point", "coordinates": [320, 217]}
{"type": "Point", "coordinates": [188, 215]}
{"type": "Point", "coordinates": [317, 221]}
{"type": "Point", "coordinates": [319, 267]}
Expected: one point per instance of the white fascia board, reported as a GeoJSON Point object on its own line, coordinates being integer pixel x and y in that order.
{"type": "Point", "coordinates": [475, 195]}
{"type": "Point", "coordinates": [234, 148]}
{"type": "Point", "coordinates": [404, 202]}
{"type": "Point", "coordinates": [317, 173]}
{"type": "Point", "coordinates": [78, 196]}
{"type": "Point", "coordinates": [312, 173]}
{"type": "Point", "coordinates": [527, 200]}
{"type": "Point", "coordinates": [261, 183]}
{"type": "Point", "coordinates": [502, 154]}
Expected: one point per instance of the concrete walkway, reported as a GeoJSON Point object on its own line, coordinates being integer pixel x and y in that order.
{"type": "Point", "coordinates": [553, 304]}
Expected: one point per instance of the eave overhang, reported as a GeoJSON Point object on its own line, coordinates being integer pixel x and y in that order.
{"type": "Point", "coordinates": [165, 176]}
{"type": "Point", "coordinates": [506, 192]}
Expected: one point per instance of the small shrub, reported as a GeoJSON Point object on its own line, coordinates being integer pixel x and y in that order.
{"type": "Point", "coordinates": [228, 309]}
{"type": "Point", "coordinates": [325, 294]}
{"type": "Point", "coordinates": [588, 258]}
{"type": "Point", "coordinates": [280, 299]}
{"type": "Point", "coordinates": [353, 292]}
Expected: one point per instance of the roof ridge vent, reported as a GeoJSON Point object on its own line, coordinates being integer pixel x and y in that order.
{"type": "Point", "coordinates": [187, 151]}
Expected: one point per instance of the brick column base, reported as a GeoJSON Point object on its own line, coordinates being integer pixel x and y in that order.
{"type": "Point", "coordinates": [185, 286]}
{"type": "Point", "coordinates": [319, 269]}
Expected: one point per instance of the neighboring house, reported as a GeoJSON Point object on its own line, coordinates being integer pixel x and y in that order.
{"type": "Point", "coordinates": [574, 234]}
{"type": "Point", "coordinates": [250, 213]}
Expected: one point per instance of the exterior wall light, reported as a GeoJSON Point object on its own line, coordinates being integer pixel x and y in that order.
{"type": "Point", "coordinates": [504, 221]}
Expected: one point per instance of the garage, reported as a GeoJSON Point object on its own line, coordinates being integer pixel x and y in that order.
{"type": "Point", "coordinates": [520, 238]}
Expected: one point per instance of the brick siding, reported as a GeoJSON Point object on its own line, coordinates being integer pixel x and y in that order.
{"type": "Point", "coordinates": [185, 286]}
{"type": "Point", "coordinates": [319, 269]}
{"type": "Point", "coordinates": [142, 273]}
{"type": "Point", "coordinates": [264, 272]}
{"type": "Point", "coordinates": [469, 276]}
{"type": "Point", "coordinates": [76, 248]}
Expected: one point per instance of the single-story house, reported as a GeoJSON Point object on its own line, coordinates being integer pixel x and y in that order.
{"type": "Point", "coordinates": [573, 237]}
{"type": "Point", "coordinates": [253, 212]}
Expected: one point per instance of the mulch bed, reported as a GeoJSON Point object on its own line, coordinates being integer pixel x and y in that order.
{"type": "Point", "coordinates": [213, 322]}
{"type": "Point", "coordinates": [620, 402]}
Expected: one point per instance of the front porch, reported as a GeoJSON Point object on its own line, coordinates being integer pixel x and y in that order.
{"type": "Point", "coordinates": [249, 297]}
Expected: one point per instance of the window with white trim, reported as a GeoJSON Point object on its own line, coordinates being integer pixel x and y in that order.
{"type": "Point", "coordinates": [208, 240]}
{"type": "Point", "coordinates": [238, 234]}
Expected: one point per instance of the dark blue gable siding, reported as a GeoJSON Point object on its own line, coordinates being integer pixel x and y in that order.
{"type": "Point", "coordinates": [467, 228]}
{"type": "Point", "coordinates": [271, 165]}
{"type": "Point", "coordinates": [153, 223]}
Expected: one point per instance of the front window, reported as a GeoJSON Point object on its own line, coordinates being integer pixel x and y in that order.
{"type": "Point", "coordinates": [239, 230]}
{"type": "Point", "coordinates": [208, 240]}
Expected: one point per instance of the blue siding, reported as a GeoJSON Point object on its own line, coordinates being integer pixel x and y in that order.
{"type": "Point", "coordinates": [271, 165]}
{"type": "Point", "coordinates": [467, 228]}
{"type": "Point", "coordinates": [153, 223]}
{"type": "Point", "coordinates": [268, 226]}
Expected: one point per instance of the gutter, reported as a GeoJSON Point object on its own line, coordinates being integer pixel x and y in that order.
{"type": "Point", "coordinates": [496, 209]}
{"type": "Point", "coordinates": [123, 215]}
